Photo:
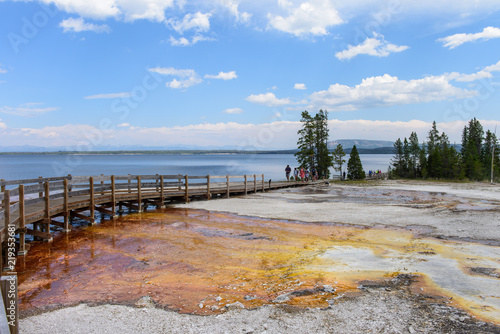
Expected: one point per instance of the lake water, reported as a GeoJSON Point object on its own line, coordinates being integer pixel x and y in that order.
{"type": "Point", "coordinates": [16, 167]}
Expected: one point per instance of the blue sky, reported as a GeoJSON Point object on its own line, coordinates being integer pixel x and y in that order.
{"type": "Point", "coordinates": [228, 73]}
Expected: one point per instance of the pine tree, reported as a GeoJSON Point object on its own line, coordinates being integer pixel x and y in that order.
{"type": "Point", "coordinates": [472, 143]}
{"type": "Point", "coordinates": [338, 159]}
{"type": "Point", "coordinates": [415, 166]}
{"type": "Point", "coordinates": [490, 146]}
{"type": "Point", "coordinates": [313, 143]}
{"type": "Point", "coordinates": [397, 161]}
{"type": "Point", "coordinates": [305, 143]}
{"type": "Point", "coordinates": [354, 166]}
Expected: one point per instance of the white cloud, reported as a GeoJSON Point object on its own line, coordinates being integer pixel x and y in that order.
{"type": "Point", "coordinates": [27, 110]}
{"type": "Point", "coordinates": [232, 6]}
{"type": "Point", "coordinates": [153, 10]}
{"type": "Point", "coordinates": [187, 77]}
{"type": "Point", "coordinates": [299, 86]}
{"type": "Point", "coordinates": [79, 25]}
{"type": "Point", "coordinates": [233, 111]}
{"type": "Point", "coordinates": [453, 41]}
{"type": "Point", "coordinates": [278, 134]}
{"type": "Point", "coordinates": [268, 99]}
{"type": "Point", "coordinates": [223, 75]}
{"type": "Point", "coordinates": [183, 41]}
{"type": "Point", "coordinates": [2, 70]}
{"type": "Point", "coordinates": [108, 96]}
{"type": "Point", "coordinates": [196, 21]}
{"type": "Point", "coordinates": [387, 90]}
{"type": "Point", "coordinates": [375, 46]}
{"type": "Point", "coordinates": [309, 18]}
{"type": "Point", "coordinates": [123, 125]}
{"type": "Point", "coordinates": [481, 74]}
{"type": "Point", "coordinates": [2, 125]}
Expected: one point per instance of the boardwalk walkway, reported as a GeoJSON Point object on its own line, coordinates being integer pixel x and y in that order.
{"type": "Point", "coordinates": [41, 206]}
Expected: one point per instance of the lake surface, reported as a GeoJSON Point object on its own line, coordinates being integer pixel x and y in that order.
{"type": "Point", "coordinates": [16, 167]}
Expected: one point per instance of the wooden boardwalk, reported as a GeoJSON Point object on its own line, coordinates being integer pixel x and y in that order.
{"type": "Point", "coordinates": [38, 207]}
{"type": "Point", "coordinates": [43, 206]}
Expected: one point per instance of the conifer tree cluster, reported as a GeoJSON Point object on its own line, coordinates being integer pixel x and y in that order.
{"type": "Point", "coordinates": [313, 143]}
{"type": "Point", "coordinates": [438, 159]}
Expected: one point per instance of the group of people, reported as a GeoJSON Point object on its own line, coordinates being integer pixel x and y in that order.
{"type": "Point", "coordinates": [374, 173]}
{"type": "Point", "coordinates": [301, 173]}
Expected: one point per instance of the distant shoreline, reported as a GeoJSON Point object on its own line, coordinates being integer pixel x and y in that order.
{"type": "Point", "coordinates": [380, 150]}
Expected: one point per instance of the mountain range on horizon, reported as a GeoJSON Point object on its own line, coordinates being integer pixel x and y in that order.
{"type": "Point", "coordinates": [346, 143]}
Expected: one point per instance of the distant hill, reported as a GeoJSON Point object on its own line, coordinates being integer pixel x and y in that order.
{"type": "Point", "coordinates": [360, 143]}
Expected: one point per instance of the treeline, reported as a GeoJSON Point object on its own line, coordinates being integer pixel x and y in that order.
{"type": "Point", "coordinates": [438, 159]}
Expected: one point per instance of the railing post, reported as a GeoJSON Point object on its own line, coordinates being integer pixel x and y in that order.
{"type": "Point", "coordinates": [180, 182]}
{"type": "Point", "coordinates": [6, 212]}
{"type": "Point", "coordinates": [129, 183]}
{"type": "Point", "coordinates": [113, 196]}
{"type": "Point", "coordinates": [22, 220]}
{"type": "Point", "coordinates": [47, 209]}
{"type": "Point", "coordinates": [246, 184]}
{"type": "Point", "coordinates": [2, 187]}
{"type": "Point", "coordinates": [102, 185]}
{"type": "Point", "coordinates": [263, 183]}
{"type": "Point", "coordinates": [156, 182]}
{"type": "Point", "coordinates": [254, 183]}
{"type": "Point", "coordinates": [92, 201]}
{"type": "Point", "coordinates": [208, 188]}
{"type": "Point", "coordinates": [139, 194]}
{"type": "Point", "coordinates": [162, 192]}
{"type": "Point", "coordinates": [227, 186]}
{"type": "Point", "coordinates": [186, 189]}
{"type": "Point", "coordinates": [66, 206]}
{"type": "Point", "coordinates": [8, 286]}
{"type": "Point", "coordinates": [40, 194]}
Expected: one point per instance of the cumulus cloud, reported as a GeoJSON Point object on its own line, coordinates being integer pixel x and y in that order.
{"type": "Point", "coordinates": [268, 99]}
{"type": "Point", "coordinates": [223, 75]}
{"type": "Point", "coordinates": [183, 41]}
{"type": "Point", "coordinates": [375, 46]}
{"type": "Point", "coordinates": [186, 77]}
{"type": "Point", "coordinates": [2, 125]}
{"type": "Point", "coordinates": [387, 90]}
{"type": "Point", "coordinates": [2, 70]}
{"type": "Point", "coordinates": [232, 6]}
{"type": "Point", "coordinates": [309, 18]}
{"type": "Point", "coordinates": [278, 134]}
{"type": "Point", "coordinates": [299, 86]}
{"type": "Point", "coordinates": [485, 73]}
{"type": "Point", "coordinates": [27, 109]}
{"type": "Point", "coordinates": [108, 96]}
{"type": "Point", "coordinates": [233, 111]}
{"type": "Point", "coordinates": [153, 10]}
{"type": "Point", "coordinates": [453, 41]}
{"type": "Point", "coordinates": [196, 21]}
{"type": "Point", "coordinates": [79, 25]}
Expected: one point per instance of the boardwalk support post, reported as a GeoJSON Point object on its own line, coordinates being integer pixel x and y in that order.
{"type": "Point", "coordinates": [263, 183]}
{"type": "Point", "coordinates": [246, 191]}
{"type": "Point", "coordinates": [66, 212]}
{"type": "Point", "coordinates": [186, 189]}
{"type": "Point", "coordinates": [47, 211]}
{"type": "Point", "coordinates": [227, 186]}
{"type": "Point", "coordinates": [92, 202]}
{"type": "Point", "coordinates": [208, 188]}
{"type": "Point", "coordinates": [22, 219]}
{"type": "Point", "coordinates": [254, 183]}
{"type": "Point", "coordinates": [162, 193]}
{"type": "Point", "coordinates": [113, 197]}
{"type": "Point", "coordinates": [8, 287]}
{"type": "Point", "coordinates": [139, 194]}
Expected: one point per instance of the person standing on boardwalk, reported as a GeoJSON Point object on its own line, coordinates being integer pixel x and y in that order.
{"type": "Point", "coordinates": [296, 173]}
{"type": "Point", "coordinates": [287, 172]}
{"type": "Point", "coordinates": [302, 173]}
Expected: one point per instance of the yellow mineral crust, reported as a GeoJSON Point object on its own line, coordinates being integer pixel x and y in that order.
{"type": "Point", "coordinates": [201, 262]}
